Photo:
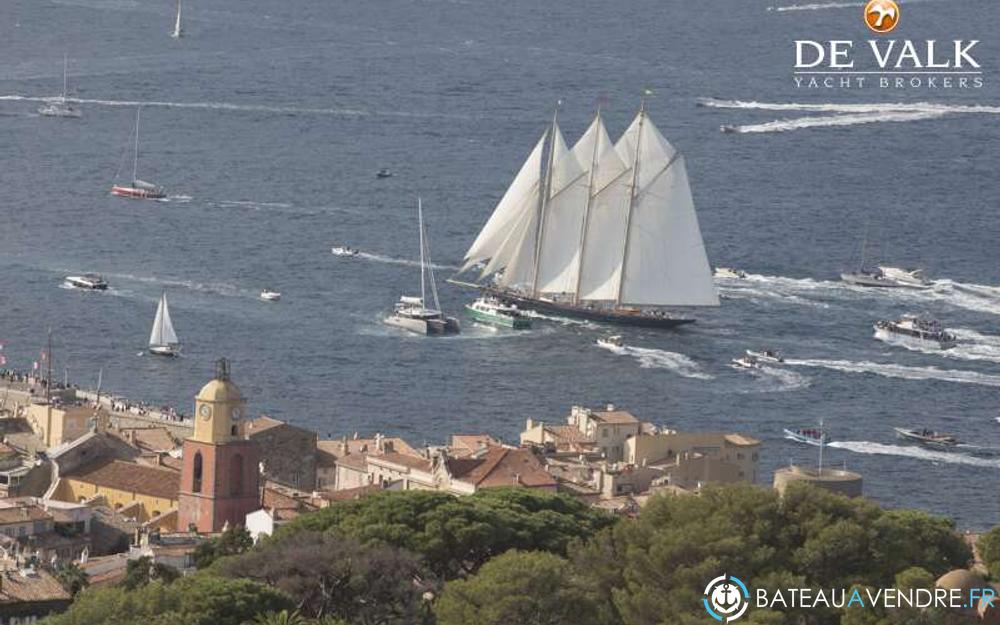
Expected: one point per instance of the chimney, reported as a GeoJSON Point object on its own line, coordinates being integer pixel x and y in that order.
{"type": "Point", "coordinates": [610, 407]}
{"type": "Point", "coordinates": [529, 424]}
{"type": "Point", "coordinates": [387, 447]}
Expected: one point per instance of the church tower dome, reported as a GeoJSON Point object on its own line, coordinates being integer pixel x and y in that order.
{"type": "Point", "coordinates": [219, 408]}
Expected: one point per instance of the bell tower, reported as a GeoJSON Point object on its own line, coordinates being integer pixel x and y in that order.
{"type": "Point", "coordinates": [220, 481]}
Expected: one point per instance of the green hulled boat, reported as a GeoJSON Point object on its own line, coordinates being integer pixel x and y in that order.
{"type": "Point", "coordinates": [494, 312]}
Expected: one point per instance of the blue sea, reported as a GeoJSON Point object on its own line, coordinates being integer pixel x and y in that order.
{"type": "Point", "coordinates": [269, 119]}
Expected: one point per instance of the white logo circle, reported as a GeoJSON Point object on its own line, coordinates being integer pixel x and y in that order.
{"type": "Point", "coordinates": [726, 598]}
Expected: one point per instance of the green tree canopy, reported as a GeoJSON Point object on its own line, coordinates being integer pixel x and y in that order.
{"type": "Point", "coordinates": [234, 540]}
{"type": "Point", "coordinates": [455, 536]}
{"type": "Point", "coordinates": [989, 550]}
{"type": "Point", "coordinates": [193, 600]}
{"type": "Point", "coordinates": [520, 587]}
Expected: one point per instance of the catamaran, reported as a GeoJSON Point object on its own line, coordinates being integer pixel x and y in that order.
{"type": "Point", "coordinates": [60, 107]}
{"type": "Point", "coordinates": [411, 313]}
{"type": "Point", "coordinates": [138, 189]}
{"type": "Point", "coordinates": [163, 340]}
{"type": "Point", "coordinates": [605, 232]}
{"type": "Point", "coordinates": [177, 32]}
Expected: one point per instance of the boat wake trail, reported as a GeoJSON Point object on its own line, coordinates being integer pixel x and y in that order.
{"type": "Point", "coordinates": [842, 114]}
{"type": "Point", "coordinates": [661, 359]}
{"type": "Point", "coordinates": [216, 288]}
{"type": "Point", "coordinates": [971, 345]}
{"type": "Point", "coordinates": [891, 370]}
{"type": "Point", "coordinates": [784, 380]}
{"type": "Point", "coordinates": [778, 289]}
{"type": "Point", "coordinates": [975, 297]}
{"type": "Point", "coordinates": [822, 6]}
{"type": "Point", "coordinates": [920, 453]}
{"type": "Point", "coordinates": [390, 260]}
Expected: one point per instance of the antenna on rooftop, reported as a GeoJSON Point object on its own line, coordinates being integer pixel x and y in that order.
{"type": "Point", "coordinates": [222, 369]}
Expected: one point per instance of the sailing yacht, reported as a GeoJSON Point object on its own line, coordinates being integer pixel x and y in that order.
{"type": "Point", "coordinates": [60, 107]}
{"type": "Point", "coordinates": [603, 231]}
{"type": "Point", "coordinates": [411, 313]}
{"type": "Point", "coordinates": [138, 189]}
{"type": "Point", "coordinates": [162, 339]}
{"type": "Point", "coordinates": [177, 32]}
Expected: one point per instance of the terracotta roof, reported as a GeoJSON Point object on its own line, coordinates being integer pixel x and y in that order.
{"type": "Point", "coordinates": [21, 514]}
{"type": "Point", "coordinates": [334, 447]}
{"type": "Point", "coordinates": [263, 423]}
{"type": "Point", "coordinates": [614, 416]}
{"type": "Point", "coordinates": [741, 439]}
{"type": "Point", "coordinates": [466, 444]}
{"type": "Point", "coordinates": [350, 493]}
{"type": "Point", "coordinates": [568, 433]}
{"type": "Point", "coordinates": [130, 477]}
{"type": "Point", "coordinates": [501, 466]}
{"type": "Point", "coordinates": [354, 461]}
{"type": "Point", "coordinates": [36, 586]}
{"type": "Point", "coordinates": [406, 460]}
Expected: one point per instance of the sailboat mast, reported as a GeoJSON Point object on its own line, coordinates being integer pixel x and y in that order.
{"type": "Point", "coordinates": [586, 211]}
{"type": "Point", "coordinates": [822, 443]}
{"type": "Point", "coordinates": [135, 154]}
{"type": "Point", "coordinates": [65, 68]}
{"type": "Point", "coordinates": [631, 201]}
{"type": "Point", "coordinates": [544, 201]}
{"type": "Point", "coordinates": [423, 281]}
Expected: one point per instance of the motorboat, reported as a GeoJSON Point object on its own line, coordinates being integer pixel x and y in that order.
{"type": "Point", "coordinates": [611, 342]}
{"type": "Point", "coordinates": [343, 250]}
{"type": "Point", "coordinates": [410, 312]}
{"type": "Point", "coordinates": [163, 339]}
{"type": "Point", "coordinates": [727, 128]}
{"type": "Point", "coordinates": [138, 189]}
{"type": "Point", "coordinates": [745, 362]}
{"type": "Point", "coordinates": [886, 277]}
{"type": "Point", "coordinates": [383, 173]}
{"type": "Point", "coordinates": [60, 106]}
{"type": "Point", "coordinates": [491, 310]}
{"type": "Point", "coordinates": [269, 295]}
{"type": "Point", "coordinates": [927, 437]}
{"type": "Point", "coordinates": [88, 281]}
{"type": "Point", "coordinates": [809, 436]}
{"type": "Point", "coordinates": [766, 355]}
{"type": "Point", "coordinates": [915, 327]}
{"type": "Point", "coordinates": [913, 278]}
{"type": "Point", "coordinates": [730, 272]}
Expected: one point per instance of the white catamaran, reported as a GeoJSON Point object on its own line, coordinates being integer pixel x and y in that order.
{"type": "Point", "coordinates": [176, 33]}
{"type": "Point", "coordinates": [60, 107]}
{"type": "Point", "coordinates": [603, 231]}
{"type": "Point", "coordinates": [411, 313]}
{"type": "Point", "coordinates": [163, 340]}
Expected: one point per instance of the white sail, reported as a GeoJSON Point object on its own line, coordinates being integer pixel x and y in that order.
{"type": "Point", "coordinates": [522, 196]}
{"type": "Point", "coordinates": [564, 215]}
{"type": "Point", "coordinates": [163, 329]}
{"type": "Point", "coordinates": [601, 260]}
{"type": "Point", "coordinates": [177, 22]}
{"type": "Point", "coordinates": [665, 261]}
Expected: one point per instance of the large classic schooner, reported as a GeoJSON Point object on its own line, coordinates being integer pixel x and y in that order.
{"type": "Point", "coordinates": [602, 231]}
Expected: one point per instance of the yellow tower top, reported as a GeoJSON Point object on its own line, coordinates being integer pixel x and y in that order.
{"type": "Point", "coordinates": [218, 408]}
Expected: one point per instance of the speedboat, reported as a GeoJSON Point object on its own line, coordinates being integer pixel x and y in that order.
{"type": "Point", "coordinates": [343, 250]}
{"type": "Point", "coordinates": [745, 362]}
{"type": "Point", "coordinates": [915, 327]}
{"type": "Point", "coordinates": [59, 107]}
{"type": "Point", "coordinates": [611, 342]}
{"type": "Point", "coordinates": [383, 173]}
{"type": "Point", "coordinates": [809, 436]}
{"type": "Point", "coordinates": [88, 281]}
{"type": "Point", "coordinates": [927, 437]}
{"type": "Point", "coordinates": [269, 295]}
{"type": "Point", "coordinates": [727, 128]}
{"type": "Point", "coordinates": [766, 355]}
{"type": "Point", "coordinates": [729, 272]}
{"type": "Point", "coordinates": [492, 311]}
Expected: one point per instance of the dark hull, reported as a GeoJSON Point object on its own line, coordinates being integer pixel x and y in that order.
{"type": "Point", "coordinates": [623, 318]}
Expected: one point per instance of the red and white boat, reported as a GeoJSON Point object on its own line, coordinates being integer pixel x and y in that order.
{"type": "Point", "coordinates": [138, 189]}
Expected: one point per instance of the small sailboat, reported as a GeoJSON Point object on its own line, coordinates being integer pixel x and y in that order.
{"type": "Point", "coordinates": [60, 107]}
{"type": "Point", "coordinates": [177, 32]}
{"type": "Point", "coordinates": [163, 340]}
{"type": "Point", "coordinates": [411, 313]}
{"type": "Point", "coordinates": [138, 189]}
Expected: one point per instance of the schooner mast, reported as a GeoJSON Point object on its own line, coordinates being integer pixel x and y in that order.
{"type": "Point", "coordinates": [543, 199]}
{"type": "Point", "coordinates": [632, 192]}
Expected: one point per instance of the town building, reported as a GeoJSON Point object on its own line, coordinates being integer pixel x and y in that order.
{"type": "Point", "coordinates": [287, 451]}
{"type": "Point", "coordinates": [603, 431]}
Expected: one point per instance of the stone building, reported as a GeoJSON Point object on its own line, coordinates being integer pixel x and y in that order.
{"type": "Point", "coordinates": [287, 451]}
{"type": "Point", "coordinates": [602, 431]}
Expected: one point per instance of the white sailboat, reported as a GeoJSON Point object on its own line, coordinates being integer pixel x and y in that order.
{"type": "Point", "coordinates": [162, 339]}
{"type": "Point", "coordinates": [177, 32]}
{"type": "Point", "coordinates": [603, 231]}
{"type": "Point", "coordinates": [60, 107]}
{"type": "Point", "coordinates": [411, 313]}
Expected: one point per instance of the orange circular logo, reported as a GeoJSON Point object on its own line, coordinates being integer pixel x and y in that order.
{"type": "Point", "coordinates": [882, 15]}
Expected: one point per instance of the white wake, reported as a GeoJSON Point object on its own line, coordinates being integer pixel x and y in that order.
{"type": "Point", "coordinates": [892, 370]}
{"type": "Point", "coordinates": [920, 453]}
{"type": "Point", "coordinates": [392, 260]}
{"type": "Point", "coordinates": [661, 359]}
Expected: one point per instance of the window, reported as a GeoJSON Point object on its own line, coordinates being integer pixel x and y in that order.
{"type": "Point", "coordinates": [236, 475]}
{"type": "Point", "coordinates": [196, 485]}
